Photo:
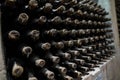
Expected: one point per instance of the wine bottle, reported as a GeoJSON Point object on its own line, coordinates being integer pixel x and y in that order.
{"type": "Point", "coordinates": [31, 76]}
{"type": "Point", "coordinates": [97, 30]}
{"type": "Point", "coordinates": [15, 68]}
{"type": "Point", "coordinates": [109, 41]}
{"type": "Point", "coordinates": [108, 30]}
{"type": "Point", "coordinates": [91, 15]}
{"type": "Point", "coordinates": [86, 58]}
{"type": "Point", "coordinates": [92, 31]}
{"type": "Point", "coordinates": [101, 38]}
{"type": "Point", "coordinates": [71, 3]}
{"type": "Point", "coordinates": [93, 46]}
{"type": "Point", "coordinates": [61, 69]}
{"type": "Point", "coordinates": [65, 1]}
{"type": "Point", "coordinates": [83, 22]}
{"type": "Point", "coordinates": [47, 8]}
{"type": "Point", "coordinates": [33, 4]}
{"type": "Point", "coordinates": [58, 45]}
{"type": "Point", "coordinates": [97, 53]}
{"type": "Point", "coordinates": [90, 2]}
{"type": "Point", "coordinates": [84, 1]}
{"type": "Point", "coordinates": [78, 13]}
{"type": "Point", "coordinates": [81, 50]}
{"type": "Point", "coordinates": [89, 48]}
{"type": "Point", "coordinates": [13, 35]}
{"type": "Point", "coordinates": [69, 12]}
{"type": "Point", "coordinates": [90, 65]}
{"type": "Point", "coordinates": [94, 61]}
{"type": "Point", "coordinates": [74, 52]}
{"type": "Point", "coordinates": [69, 65]}
{"type": "Point", "coordinates": [38, 62]}
{"type": "Point", "coordinates": [90, 23]}
{"type": "Point", "coordinates": [109, 35]}
{"type": "Point", "coordinates": [34, 34]}
{"type": "Point", "coordinates": [10, 3]}
{"type": "Point", "coordinates": [63, 32]}
{"type": "Point", "coordinates": [85, 41]}
{"type": "Point", "coordinates": [44, 46]}
{"type": "Point", "coordinates": [79, 61]}
{"type": "Point", "coordinates": [52, 58]}
{"type": "Point", "coordinates": [60, 9]}
{"type": "Point", "coordinates": [91, 39]}
{"type": "Point", "coordinates": [110, 47]}
{"type": "Point", "coordinates": [64, 56]}
{"type": "Point", "coordinates": [68, 77]}
{"type": "Point", "coordinates": [56, 20]}
{"type": "Point", "coordinates": [26, 50]}
{"type": "Point", "coordinates": [96, 38]}
{"type": "Point", "coordinates": [74, 74]}
{"type": "Point", "coordinates": [78, 42]}
{"type": "Point", "coordinates": [76, 23]}
{"type": "Point", "coordinates": [99, 45]}
{"type": "Point", "coordinates": [73, 33]}
{"type": "Point", "coordinates": [82, 69]}
{"type": "Point", "coordinates": [96, 15]}
{"type": "Point", "coordinates": [41, 20]}
{"type": "Point", "coordinates": [23, 18]}
{"type": "Point", "coordinates": [68, 21]}
{"type": "Point", "coordinates": [51, 33]}
{"type": "Point", "coordinates": [102, 54]}
{"type": "Point", "coordinates": [48, 74]}
{"type": "Point", "coordinates": [69, 43]}
{"type": "Point", "coordinates": [81, 32]}
{"type": "Point", "coordinates": [85, 14]}
{"type": "Point", "coordinates": [95, 23]}
{"type": "Point", "coordinates": [87, 31]}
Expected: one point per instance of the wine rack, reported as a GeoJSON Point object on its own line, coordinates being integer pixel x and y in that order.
{"type": "Point", "coordinates": [54, 39]}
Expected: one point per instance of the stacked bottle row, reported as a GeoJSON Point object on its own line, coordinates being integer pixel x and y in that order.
{"type": "Point", "coordinates": [117, 2]}
{"type": "Point", "coordinates": [54, 39]}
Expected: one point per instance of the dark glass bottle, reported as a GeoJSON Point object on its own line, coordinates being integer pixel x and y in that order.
{"type": "Point", "coordinates": [31, 76]}
{"type": "Point", "coordinates": [44, 46]}
{"type": "Point", "coordinates": [13, 35]}
{"type": "Point", "coordinates": [16, 68]}
{"type": "Point", "coordinates": [69, 65]}
{"type": "Point", "coordinates": [75, 74]}
{"type": "Point", "coordinates": [66, 77]}
{"type": "Point", "coordinates": [38, 62]}
{"type": "Point", "coordinates": [23, 18]}
{"type": "Point", "coordinates": [60, 69]}
{"type": "Point", "coordinates": [33, 4]}
{"type": "Point", "coordinates": [48, 74]}
{"type": "Point", "coordinates": [64, 55]}
{"type": "Point", "coordinates": [34, 34]}
{"type": "Point", "coordinates": [26, 51]}
{"type": "Point", "coordinates": [53, 59]}
{"type": "Point", "coordinates": [58, 45]}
